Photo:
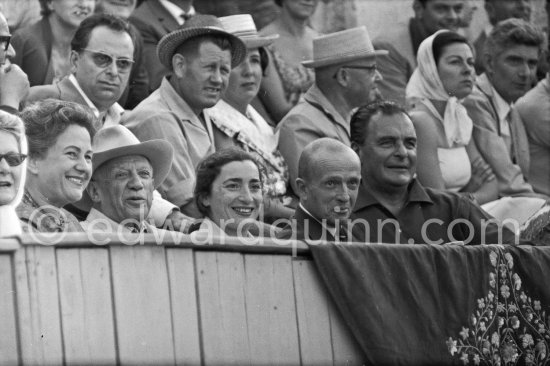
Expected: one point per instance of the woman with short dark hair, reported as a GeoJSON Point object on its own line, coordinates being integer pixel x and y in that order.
{"type": "Point", "coordinates": [59, 165]}
{"type": "Point", "coordinates": [229, 192]}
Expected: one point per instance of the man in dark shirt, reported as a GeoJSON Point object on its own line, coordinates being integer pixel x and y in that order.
{"type": "Point", "coordinates": [392, 206]}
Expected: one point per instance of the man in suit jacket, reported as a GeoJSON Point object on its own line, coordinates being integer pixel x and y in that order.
{"type": "Point", "coordinates": [511, 55]}
{"type": "Point", "coordinates": [154, 19]}
{"type": "Point", "coordinates": [328, 182]}
{"type": "Point", "coordinates": [98, 80]}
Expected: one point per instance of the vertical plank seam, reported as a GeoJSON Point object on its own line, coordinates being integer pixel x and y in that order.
{"type": "Point", "coordinates": [197, 301]}
{"type": "Point", "coordinates": [243, 287]}
{"type": "Point", "coordinates": [294, 262]}
{"type": "Point", "coordinates": [16, 309]}
{"type": "Point", "coordinates": [59, 307]}
{"type": "Point", "coordinates": [169, 278]}
{"type": "Point", "coordinates": [113, 306]}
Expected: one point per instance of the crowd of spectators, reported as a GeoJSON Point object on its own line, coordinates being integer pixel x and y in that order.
{"type": "Point", "coordinates": [150, 116]}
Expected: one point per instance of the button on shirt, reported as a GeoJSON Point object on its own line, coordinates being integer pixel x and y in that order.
{"type": "Point", "coordinates": [429, 216]}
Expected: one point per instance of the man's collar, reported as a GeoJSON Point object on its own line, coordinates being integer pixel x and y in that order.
{"type": "Point", "coordinates": [317, 98]}
{"type": "Point", "coordinates": [502, 107]}
{"type": "Point", "coordinates": [366, 198]}
{"type": "Point", "coordinates": [90, 104]}
{"type": "Point", "coordinates": [330, 229]}
{"type": "Point", "coordinates": [177, 12]}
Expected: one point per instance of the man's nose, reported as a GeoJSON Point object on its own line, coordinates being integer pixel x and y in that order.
{"type": "Point", "coordinates": [11, 52]}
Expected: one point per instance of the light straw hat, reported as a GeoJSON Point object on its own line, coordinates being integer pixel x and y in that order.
{"type": "Point", "coordinates": [242, 26]}
{"type": "Point", "coordinates": [344, 46]}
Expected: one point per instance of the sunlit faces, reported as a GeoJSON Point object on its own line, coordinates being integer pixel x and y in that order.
{"type": "Point", "coordinates": [9, 175]}
{"type": "Point", "coordinates": [245, 79]}
{"type": "Point", "coordinates": [63, 173]}
{"type": "Point", "coordinates": [122, 8]}
{"type": "Point", "coordinates": [5, 31]}
{"type": "Point", "coordinates": [439, 14]}
{"type": "Point", "coordinates": [388, 155]}
{"type": "Point", "coordinates": [301, 9]}
{"type": "Point", "coordinates": [512, 71]}
{"type": "Point", "coordinates": [203, 77]}
{"type": "Point", "coordinates": [499, 10]}
{"type": "Point", "coordinates": [456, 69]}
{"type": "Point", "coordinates": [71, 12]}
{"type": "Point", "coordinates": [330, 189]}
{"type": "Point", "coordinates": [235, 196]}
{"type": "Point", "coordinates": [103, 85]}
{"type": "Point", "coordinates": [124, 187]}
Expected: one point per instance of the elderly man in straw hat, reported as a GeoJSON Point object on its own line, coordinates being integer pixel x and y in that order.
{"type": "Point", "coordinates": [200, 55]}
{"type": "Point", "coordinates": [345, 78]}
{"type": "Point", "coordinates": [124, 177]}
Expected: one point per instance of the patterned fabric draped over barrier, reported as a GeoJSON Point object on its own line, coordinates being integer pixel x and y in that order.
{"type": "Point", "coordinates": [439, 305]}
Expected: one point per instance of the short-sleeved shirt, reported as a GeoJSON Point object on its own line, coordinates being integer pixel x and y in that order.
{"type": "Point", "coordinates": [429, 216]}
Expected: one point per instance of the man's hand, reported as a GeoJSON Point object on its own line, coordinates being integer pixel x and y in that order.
{"type": "Point", "coordinates": [14, 85]}
{"type": "Point", "coordinates": [177, 221]}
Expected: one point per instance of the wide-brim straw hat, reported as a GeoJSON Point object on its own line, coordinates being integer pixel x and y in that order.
{"type": "Point", "coordinates": [198, 25]}
{"type": "Point", "coordinates": [242, 26]}
{"type": "Point", "coordinates": [116, 141]}
{"type": "Point", "coordinates": [344, 46]}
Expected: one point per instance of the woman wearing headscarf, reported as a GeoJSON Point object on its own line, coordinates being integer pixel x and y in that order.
{"type": "Point", "coordinates": [447, 155]}
{"type": "Point", "coordinates": [13, 152]}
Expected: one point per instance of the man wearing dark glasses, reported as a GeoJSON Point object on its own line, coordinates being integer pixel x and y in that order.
{"type": "Point", "coordinates": [14, 84]}
{"type": "Point", "coordinates": [102, 52]}
{"type": "Point", "coordinates": [102, 59]}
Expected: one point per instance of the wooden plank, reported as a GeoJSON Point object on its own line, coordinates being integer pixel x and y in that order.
{"type": "Point", "coordinates": [271, 311]}
{"type": "Point", "coordinates": [222, 308]}
{"type": "Point", "coordinates": [86, 306]}
{"type": "Point", "coordinates": [313, 315]}
{"type": "Point", "coordinates": [185, 320]}
{"type": "Point", "coordinates": [142, 305]}
{"type": "Point", "coordinates": [8, 339]}
{"type": "Point", "coordinates": [38, 306]}
{"type": "Point", "coordinates": [346, 350]}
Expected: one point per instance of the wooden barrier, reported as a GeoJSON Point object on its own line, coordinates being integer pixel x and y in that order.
{"type": "Point", "coordinates": [77, 303]}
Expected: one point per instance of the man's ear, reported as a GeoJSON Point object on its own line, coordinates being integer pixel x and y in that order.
{"type": "Point", "coordinates": [32, 165]}
{"type": "Point", "coordinates": [342, 76]}
{"type": "Point", "coordinates": [179, 64]}
{"type": "Point", "coordinates": [75, 56]}
{"type": "Point", "coordinates": [93, 191]}
{"type": "Point", "coordinates": [489, 63]}
{"type": "Point", "coordinates": [301, 186]}
{"type": "Point", "coordinates": [418, 9]}
{"type": "Point", "coordinates": [355, 146]}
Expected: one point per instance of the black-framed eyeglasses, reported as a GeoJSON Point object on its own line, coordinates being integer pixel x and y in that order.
{"type": "Point", "coordinates": [102, 59]}
{"type": "Point", "coordinates": [5, 42]}
{"type": "Point", "coordinates": [13, 159]}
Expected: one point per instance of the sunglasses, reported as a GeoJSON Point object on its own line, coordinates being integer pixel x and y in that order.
{"type": "Point", "coordinates": [5, 42]}
{"type": "Point", "coordinates": [102, 59]}
{"type": "Point", "coordinates": [13, 159]}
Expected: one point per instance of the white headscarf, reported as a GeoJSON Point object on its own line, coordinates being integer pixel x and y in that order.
{"type": "Point", "coordinates": [426, 84]}
{"type": "Point", "coordinates": [9, 221]}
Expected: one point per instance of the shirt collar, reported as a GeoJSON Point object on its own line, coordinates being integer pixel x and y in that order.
{"type": "Point", "coordinates": [316, 97]}
{"type": "Point", "coordinates": [503, 109]}
{"type": "Point", "coordinates": [365, 198]}
{"type": "Point", "coordinates": [176, 11]}
{"type": "Point", "coordinates": [331, 230]}
{"type": "Point", "coordinates": [112, 115]}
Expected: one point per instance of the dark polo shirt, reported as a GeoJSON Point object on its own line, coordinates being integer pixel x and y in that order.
{"type": "Point", "coordinates": [429, 216]}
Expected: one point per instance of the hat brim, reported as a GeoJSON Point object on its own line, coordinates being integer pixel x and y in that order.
{"type": "Point", "coordinates": [159, 153]}
{"type": "Point", "coordinates": [168, 44]}
{"type": "Point", "coordinates": [343, 58]}
{"type": "Point", "coordinates": [258, 41]}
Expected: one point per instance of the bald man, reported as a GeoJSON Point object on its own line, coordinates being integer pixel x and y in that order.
{"type": "Point", "coordinates": [329, 173]}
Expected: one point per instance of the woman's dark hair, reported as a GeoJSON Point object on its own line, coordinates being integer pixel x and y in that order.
{"type": "Point", "coordinates": [47, 119]}
{"type": "Point", "coordinates": [264, 59]}
{"type": "Point", "coordinates": [443, 39]}
{"type": "Point", "coordinates": [210, 167]}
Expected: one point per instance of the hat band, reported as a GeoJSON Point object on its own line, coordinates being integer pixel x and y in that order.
{"type": "Point", "coordinates": [246, 33]}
